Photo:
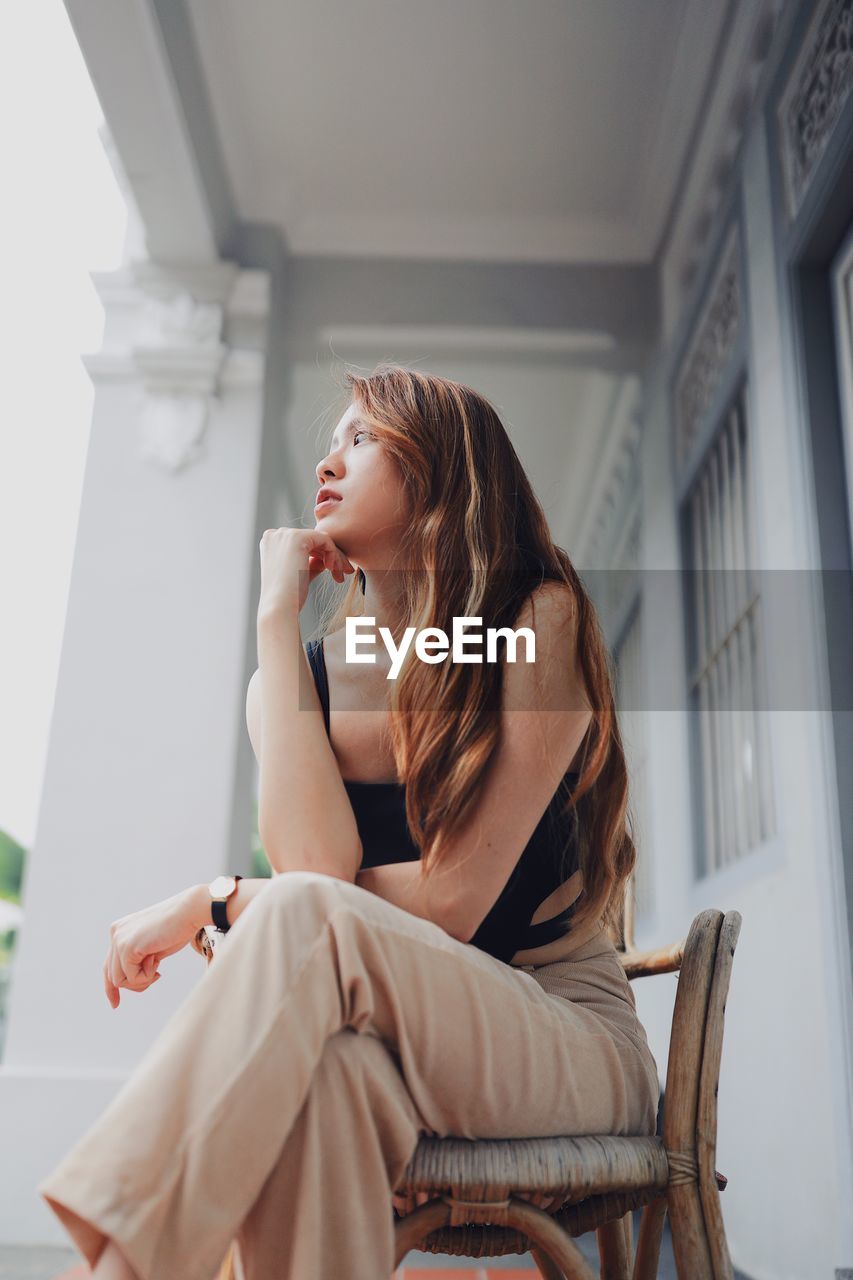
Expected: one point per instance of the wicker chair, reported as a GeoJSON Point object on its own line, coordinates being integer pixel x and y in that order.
{"type": "Point", "coordinates": [480, 1191]}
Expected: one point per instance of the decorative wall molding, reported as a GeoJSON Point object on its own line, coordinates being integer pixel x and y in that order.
{"type": "Point", "coordinates": [622, 482]}
{"type": "Point", "coordinates": [731, 107]}
{"type": "Point", "coordinates": [622, 579]}
{"type": "Point", "coordinates": [707, 356]}
{"type": "Point", "coordinates": [178, 346]}
{"type": "Point", "coordinates": [182, 334]}
{"type": "Point", "coordinates": [178, 356]}
{"type": "Point", "coordinates": [617, 481]}
{"type": "Point", "coordinates": [816, 92]}
{"type": "Point", "coordinates": [171, 429]}
{"type": "Point", "coordinates": [628, 549]}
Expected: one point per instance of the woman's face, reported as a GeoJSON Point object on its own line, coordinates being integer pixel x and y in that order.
{"type": "Point", "coordinates": [371, 509]}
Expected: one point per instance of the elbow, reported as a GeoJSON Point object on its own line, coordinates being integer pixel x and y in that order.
{"type": "Point", "coordinates": [459, 933]}
{"type": "Point", "coordinates": [455, 919]}
{"type": "Point", "coordinates": [343, 862]}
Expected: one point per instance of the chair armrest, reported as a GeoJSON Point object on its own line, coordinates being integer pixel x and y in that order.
{"type": "Point", "coordinates": [643, 964]}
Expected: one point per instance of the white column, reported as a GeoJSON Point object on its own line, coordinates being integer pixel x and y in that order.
{"type": "Point", "coordinates": [147, 779]}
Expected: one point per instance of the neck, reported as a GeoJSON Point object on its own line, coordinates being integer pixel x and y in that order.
{"type": "Point", "coordinates": [384, 599]}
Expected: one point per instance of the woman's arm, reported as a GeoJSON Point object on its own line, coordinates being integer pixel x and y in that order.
{"type": "Point", "coordinates": [403, 884]}
{"type": "Point", "coordinates": [200, 903]}
{"type": "Point", "coordinates": [305, 819]}
{"type": "Point", "coordinates": [397, 882]}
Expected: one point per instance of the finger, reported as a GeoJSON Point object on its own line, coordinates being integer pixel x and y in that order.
{"type": "Point", "coordinates": [136, 975]}
{"type": "Point", "coordinates": [342, 565]}
{"type": "Point", "coordinates": [332, 563]}
{"type": "Point", "coordinates": [110, 989]}
{"type": "Point", "coordinates": [318, 564]}
{"type": "Point", "coordinates": [108, 963]}
{"type": "Point", "coordinates": [117, 974]}
{"type": "Point", "coordinates": [330, 544]}
{"type": "Point", "coordinates": [341, 559]}
{"type": "Point", "coordinates": [146, 981]}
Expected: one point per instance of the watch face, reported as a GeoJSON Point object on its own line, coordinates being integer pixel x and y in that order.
{"type": "Point", "coordinates": [222, 886]}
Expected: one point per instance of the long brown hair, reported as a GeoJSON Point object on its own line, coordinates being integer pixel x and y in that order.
{"type": "Point", "coordinates": [482, 538]}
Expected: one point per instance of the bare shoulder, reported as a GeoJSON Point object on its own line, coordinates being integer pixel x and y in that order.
{"type": "Point", "coordinates": [554, 679]}
{"type": "Point", "coordinates": [552, 608]}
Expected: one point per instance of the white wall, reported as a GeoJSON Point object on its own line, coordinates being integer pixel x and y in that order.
{"type": "Point", "coordinates": [784, 1140]}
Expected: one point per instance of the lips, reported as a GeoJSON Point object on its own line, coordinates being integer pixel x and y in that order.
{"type": "Point", "coordinates": [326, 497]}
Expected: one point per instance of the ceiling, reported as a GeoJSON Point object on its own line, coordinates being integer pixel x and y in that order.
{"type": "Point", "coordinates": [549, 130]}
{"type": "Point", "coordinates": [484, 184]}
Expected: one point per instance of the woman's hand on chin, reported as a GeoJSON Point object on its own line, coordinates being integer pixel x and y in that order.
{"type": "Point", "coordinates": [285, 553]}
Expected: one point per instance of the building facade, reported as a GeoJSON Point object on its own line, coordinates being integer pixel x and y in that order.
{"type": "Point", "coordinates": [684, 405]}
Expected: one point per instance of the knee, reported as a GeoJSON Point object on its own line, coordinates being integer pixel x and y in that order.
{"type": "Point", "coordinates": [306, 893]}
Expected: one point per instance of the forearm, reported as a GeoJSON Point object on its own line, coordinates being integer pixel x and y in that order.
{"type": "Point", "coordinates": [397, 882]}
{"type": "Point", "coordinates": [403, 884]}
{"type": "Point", "coordinates": [201, 903]}
{"type": "Point", "coordinates": [305, 819]}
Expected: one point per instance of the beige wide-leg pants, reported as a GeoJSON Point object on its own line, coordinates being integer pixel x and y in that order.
{"type": "Point", "coordinates": [282, 1101]}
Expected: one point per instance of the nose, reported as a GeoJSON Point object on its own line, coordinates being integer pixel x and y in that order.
{"type": "Point", "coordinates": [325, 469]}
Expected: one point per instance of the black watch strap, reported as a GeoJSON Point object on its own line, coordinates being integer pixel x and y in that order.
{"type": "Point", "coordinates": [219, 911]}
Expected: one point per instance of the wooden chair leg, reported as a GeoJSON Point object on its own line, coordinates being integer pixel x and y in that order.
{"type": "Point", "coordinates": [647, 1259]}
{"type": "Point", "coordinates": [689, 1237]}
{"type": "Point", "coordinates": [547, 1268]}
{"type": "Point", "coordinates": [613, 1250]}
{"type": "Point", "coordinates": [628, 1223]}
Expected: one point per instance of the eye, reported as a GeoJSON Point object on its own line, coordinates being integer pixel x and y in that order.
{"type": "Point", "coordinates": [358, 433]}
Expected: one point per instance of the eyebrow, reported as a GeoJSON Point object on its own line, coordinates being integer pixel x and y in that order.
{"type": "Point", "coordinates": [352, 425]}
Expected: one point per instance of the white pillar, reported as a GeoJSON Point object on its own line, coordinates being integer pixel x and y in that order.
{"type": "Point", "coordinates": [147, 780]}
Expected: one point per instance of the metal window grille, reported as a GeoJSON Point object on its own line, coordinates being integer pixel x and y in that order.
{"type": "Point", "coordinates": [730, 731]}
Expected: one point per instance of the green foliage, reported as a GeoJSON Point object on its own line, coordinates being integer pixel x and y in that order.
{"type": "Point", "coordinates": [260, 863]}
{"type": "Point", "coordinates": [12, 857]}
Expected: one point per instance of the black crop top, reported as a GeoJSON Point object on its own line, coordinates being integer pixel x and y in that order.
{"type": "Point", "coordinates": [380, 814]}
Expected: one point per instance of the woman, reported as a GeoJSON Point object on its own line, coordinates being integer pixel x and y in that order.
{"type": "Point", "coordinates": [437, 958]}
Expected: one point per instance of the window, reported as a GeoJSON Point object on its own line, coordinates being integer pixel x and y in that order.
{"type": "Point", "coordinates": [726, 682]}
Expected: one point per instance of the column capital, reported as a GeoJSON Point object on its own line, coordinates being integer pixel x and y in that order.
{"type": "Point", "coordinates": [183, 333]}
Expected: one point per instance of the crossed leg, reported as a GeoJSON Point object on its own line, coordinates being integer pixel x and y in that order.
{"type": "Point", "coordinates": [177, 1162]}
{"type": "Point", "coordinates": [326, 1207]}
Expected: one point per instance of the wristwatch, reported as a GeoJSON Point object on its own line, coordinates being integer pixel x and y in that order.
{"type": "Point", "coordinates": [221, 889]}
